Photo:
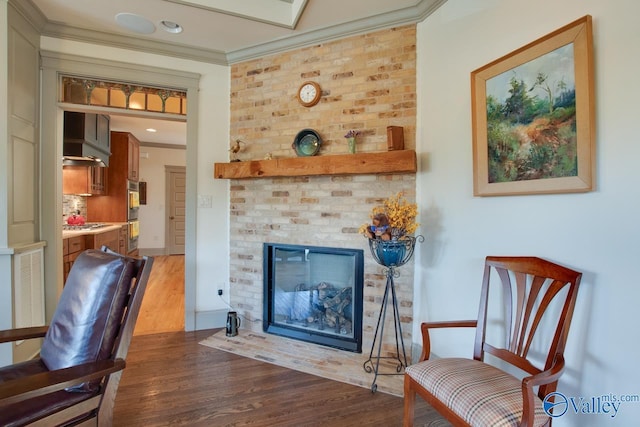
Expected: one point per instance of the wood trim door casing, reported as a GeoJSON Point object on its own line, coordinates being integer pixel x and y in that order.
{"type": "Point", "coordinates": [54, 64]}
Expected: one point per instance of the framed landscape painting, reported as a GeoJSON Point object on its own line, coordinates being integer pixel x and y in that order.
{"type": "Point", "coordinates": [533, 117]}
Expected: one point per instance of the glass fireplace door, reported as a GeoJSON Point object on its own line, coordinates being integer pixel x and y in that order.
{"type": "Point", "coordinates": [314, 294]}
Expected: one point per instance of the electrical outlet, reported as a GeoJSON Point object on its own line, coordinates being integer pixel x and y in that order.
{"type": "Point", "coordinates": [220, 292]}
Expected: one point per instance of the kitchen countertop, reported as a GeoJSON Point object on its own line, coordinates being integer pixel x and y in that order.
{"type": "Point", "coordinates": [73, 233]}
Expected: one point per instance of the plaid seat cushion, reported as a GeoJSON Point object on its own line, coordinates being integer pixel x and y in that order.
{"type": "Point", "coordinates": [479, 393]}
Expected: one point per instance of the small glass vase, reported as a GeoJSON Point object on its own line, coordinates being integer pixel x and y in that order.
{"type": "Point", "coordinates": [352, 145]}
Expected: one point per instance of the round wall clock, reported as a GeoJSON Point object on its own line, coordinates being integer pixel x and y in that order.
{"type": "Point", "coordinates": [309, 94]}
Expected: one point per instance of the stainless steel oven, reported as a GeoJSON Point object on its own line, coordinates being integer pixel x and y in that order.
{"type": "Point", "coordinates": [133, 206]}
{"type": "Point", "coordinates": [133, 202]}
{"type": "Point", "coordinates": [132, 235]}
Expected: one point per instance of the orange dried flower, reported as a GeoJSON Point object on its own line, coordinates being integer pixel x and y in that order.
{"type": "Point", "coordinates": [400, 214]}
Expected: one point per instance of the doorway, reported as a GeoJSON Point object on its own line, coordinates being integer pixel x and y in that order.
{"type": "Point", "coordinates": [162, 308]}
{"type": "Point", "coordinates": [52, 121]}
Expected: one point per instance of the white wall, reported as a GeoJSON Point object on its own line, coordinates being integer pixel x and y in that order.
{"type": "Point", "coordinates": [152, 215]}
{"type": "Point", "coordinates": [211, 257]}
{"type": "Point", "coordinates": [596, 232]}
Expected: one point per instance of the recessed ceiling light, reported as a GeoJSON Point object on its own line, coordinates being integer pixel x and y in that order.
{"type": "Point", "coordinates": [151, 130]}
{"type": "Point", "coordinates": [171, 27]}
{"type": "Point", "coordinates": [136, 23]}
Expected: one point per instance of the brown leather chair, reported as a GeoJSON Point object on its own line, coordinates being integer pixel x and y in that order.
{"type": "Point", "coordinates": [538, 299]}
{"type": "Point", "coordinates": [75, 379]}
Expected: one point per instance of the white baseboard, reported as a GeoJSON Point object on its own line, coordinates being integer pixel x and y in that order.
{"type": "Point", "coordinates": [152, 251]}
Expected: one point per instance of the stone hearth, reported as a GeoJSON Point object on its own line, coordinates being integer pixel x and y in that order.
{"type": "Point", "coordinates": [337, 365]}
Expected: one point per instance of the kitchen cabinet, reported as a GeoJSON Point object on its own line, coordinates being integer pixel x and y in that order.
{"type": "Point", "coordinates": [112, 206]}
{"type": "Point", "coordinates": [83, 180]}
{"type": "Point", "coordinates": [71, 247]}
{"type": "Point", "coordinates": [109, 238]}
{"type": "Point", "coordinates": [65, 260]}
{"type": "Point", "coordinates": [98, 180]}
{"type": "Point", "coordinates": [122, 242]}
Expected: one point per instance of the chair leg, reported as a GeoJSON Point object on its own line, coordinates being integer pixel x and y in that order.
{"type": "Point", "coordinates": [409, 402]}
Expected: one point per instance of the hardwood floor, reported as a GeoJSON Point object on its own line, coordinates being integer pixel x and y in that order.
{"type": "Point", "coordinates": [171, 379]}
{"type": "Point", "coordinates": [163, 304]}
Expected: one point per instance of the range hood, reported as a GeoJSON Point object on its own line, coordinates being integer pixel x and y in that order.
{"type": "Point", "coordinates": [87, 156]}
{"type": "Point", "coordinates": [86, 139]}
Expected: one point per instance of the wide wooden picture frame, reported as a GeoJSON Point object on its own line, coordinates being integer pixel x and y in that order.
{"type": "Point", "coordinates": [533, 117]}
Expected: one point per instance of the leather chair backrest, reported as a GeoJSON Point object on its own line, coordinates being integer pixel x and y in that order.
{"type": "Point", "coordinates": [88, 317]}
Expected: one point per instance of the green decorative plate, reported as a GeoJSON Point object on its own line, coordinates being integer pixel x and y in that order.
{"type": "Point", "coordinates": [307, 143]}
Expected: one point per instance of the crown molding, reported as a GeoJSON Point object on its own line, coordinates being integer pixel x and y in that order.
{"type": "Point", "coordinates": [406, 16]}
{"type": "Point", "coordinates": [30, 12]}
{"type": "Point", "coordinates": [163, 145]}
{"type": "Point", "coordinates": [57, 30]}
{"type": "Point", "coordinates": [409, 15]}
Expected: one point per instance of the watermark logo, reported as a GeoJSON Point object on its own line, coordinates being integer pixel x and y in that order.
{"type": "Point", "coordinates": [557, 404]}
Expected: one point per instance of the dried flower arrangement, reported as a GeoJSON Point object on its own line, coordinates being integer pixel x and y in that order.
{"type": "Point", "coordinates": [394, 220]}
{"type": "Point", "coordinates": [352, 133]}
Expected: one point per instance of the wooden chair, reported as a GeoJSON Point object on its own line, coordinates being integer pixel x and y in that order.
{"type": "Point", "coordinates": [75, 379]}
{"type": "Point", "coordinates": [473, 392]}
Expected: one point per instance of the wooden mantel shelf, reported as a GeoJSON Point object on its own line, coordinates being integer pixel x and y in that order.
{"type": "Point", "coordinates": [401, 161]}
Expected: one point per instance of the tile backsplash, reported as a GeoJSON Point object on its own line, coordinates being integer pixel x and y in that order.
{"type": "Point", "coordinates": [72, 204]}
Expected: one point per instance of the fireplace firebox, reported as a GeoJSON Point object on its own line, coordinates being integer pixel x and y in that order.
{"type": "Point", "coordinates": [314, 294]}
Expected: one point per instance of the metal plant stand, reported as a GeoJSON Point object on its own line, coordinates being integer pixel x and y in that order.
{"type": "Point", "coordinates": [390, 254]}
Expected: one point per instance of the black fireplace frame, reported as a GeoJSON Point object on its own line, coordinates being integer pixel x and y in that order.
{"type": "Point", "coordinates": [269, 325]}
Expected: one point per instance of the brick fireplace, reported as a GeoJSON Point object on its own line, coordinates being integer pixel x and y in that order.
{"type": "Point", "coordinates": [324, 211]}
{"type": "Point", "coordinates": [368, 83]}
